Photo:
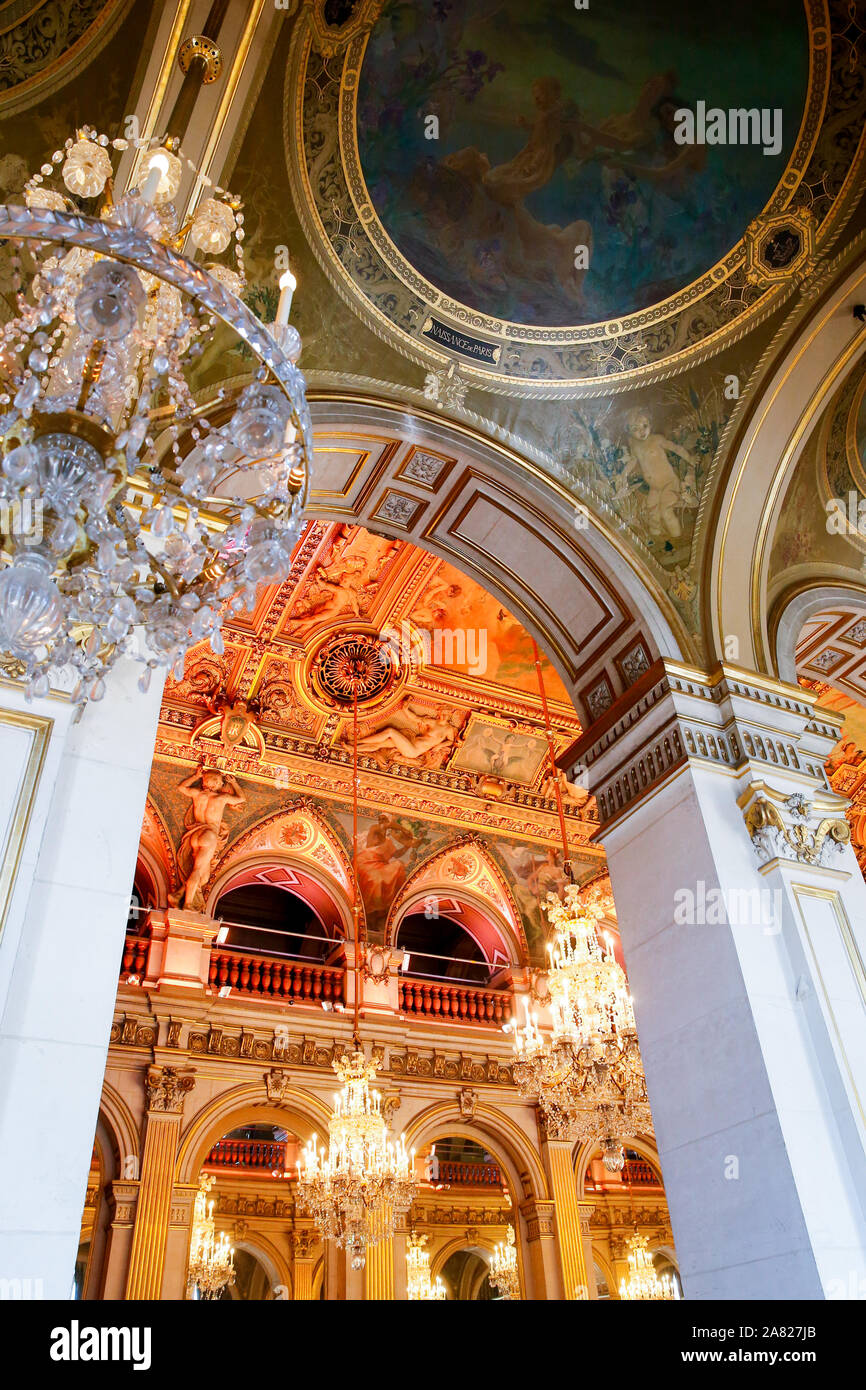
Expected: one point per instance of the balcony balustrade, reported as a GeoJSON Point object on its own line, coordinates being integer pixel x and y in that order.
{"type": "Point", "coordinates": [456, 1174]}
{"type": "Point", "coordinates": [462, 1003]}
{"type": "Point", "coordinates": [267, 977]}
{"type": "Point", "coordinates": [254, 1154]}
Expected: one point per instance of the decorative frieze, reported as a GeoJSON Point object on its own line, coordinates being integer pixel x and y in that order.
{"type": "Point", "coordinates": [677, 717]}
{"type": "Point", "coordinates": [459, 1216]}
{"type": "Point", "coordinates": [236, 1204]}
{"type": "Point", "coordinates": [240, 1044]}
{"type": "Point", "coordinates": [131, 1032]}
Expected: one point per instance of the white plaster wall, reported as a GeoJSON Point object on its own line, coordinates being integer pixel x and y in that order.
{"type": "Point", "coordinates": [736, 1069]}
{"type": "Point", "coordinates": [59, 966]}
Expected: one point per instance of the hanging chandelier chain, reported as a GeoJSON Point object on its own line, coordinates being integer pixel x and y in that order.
{"type": "Point", "coordinates": [554, 770]}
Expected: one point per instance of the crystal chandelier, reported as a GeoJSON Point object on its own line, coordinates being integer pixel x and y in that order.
{"type": "Point", "coordinates": [356, 1190]}
{"type": "Point", "coordinates": [587, 1076]}
{"type": "Point", "coordinates": [135, 506]}
{"type": "Point", "coordinates": [643, 1282]}
{"type": "Point", "coordinates": [503, 1267]}
{"type": "Point", "coordinates": [211, 1258]}
{"type": "Point", "coordinates": [421, 1287]}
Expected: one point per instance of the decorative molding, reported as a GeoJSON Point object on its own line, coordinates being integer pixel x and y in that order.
{"type": "Point", "coordinates": [728, 719]}
{"type": "Point", "coordinates": [276, 1083]}
{"type": "Point", "coordinates": [468, 1103]}
{"type": "Point", "coordinates": [540, 1219]}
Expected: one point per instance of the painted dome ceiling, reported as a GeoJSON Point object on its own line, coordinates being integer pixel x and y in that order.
{"type": "Point", "coordinates": [501, 185]}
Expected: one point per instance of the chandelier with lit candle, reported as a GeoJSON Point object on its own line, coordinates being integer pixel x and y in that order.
{"type": "Point", "coordinates": [586, 1075]}
{"type": "Point", "coordinates": [211, 1257]}
{"type": "Point", "coordinates": [642, 1281]}
{"type": "Point", "coordinates": [135, 506]}
{"type": "Point", "coordinates": [503, 1267]}
{"type": "Point", "coordinates": [420, 1285]}
{"type": "Point", "coordinates": [356, 1189]}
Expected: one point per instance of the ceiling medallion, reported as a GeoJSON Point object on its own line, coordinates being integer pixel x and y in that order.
{"type": "Point", "coordinates": [353, 663]}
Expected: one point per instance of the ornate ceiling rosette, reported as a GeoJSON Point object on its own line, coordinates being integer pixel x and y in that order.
{"type": "Point", "coordinates": [450, 199]}
{"type": "Point", "coordinates": [354, 662]}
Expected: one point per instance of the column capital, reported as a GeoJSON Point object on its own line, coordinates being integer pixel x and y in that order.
{"type": "Point", "coordinates": [731, 721]}
{"type": "Point", "coordinates": [122, 1197]}
{"type": "Point", "coordinates": [166, 1088]}
{"type": "Point", "coordinates": [305, 1243]}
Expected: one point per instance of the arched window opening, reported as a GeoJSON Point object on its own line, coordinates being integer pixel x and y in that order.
{"type": "Point", "coordinates": [466, 1274]}
{"type": "Point", "coordinates": [257, 1150]}
{"type": "Point", "coordinates": [458, 1162]}
{"type": "Point", "coordinates": [252, 1283]}
{"type": "Point", "coordinates": [273, 921]}
{"type": "Point", "coordinates": [441, 949]}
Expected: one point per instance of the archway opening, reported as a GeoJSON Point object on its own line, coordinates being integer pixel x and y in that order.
{"type": "Point", "coordinates": [272, 920]}
{"type": "Point", "coordinates": [439, 948]}
{"type": "Point", "coordinates": [466, 1275]}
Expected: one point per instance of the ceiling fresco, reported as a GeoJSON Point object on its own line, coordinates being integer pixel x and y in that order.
{"type": "Point", "coordinates": [555, 130]}
{"type": "Point", "coordinates": [454, 746]}
{"type": "Point", "coordinates": [462, 247]}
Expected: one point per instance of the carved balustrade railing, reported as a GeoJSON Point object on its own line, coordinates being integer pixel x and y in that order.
{"type": "Point", "coordinates": [462, 1003]}
{"type": "Point", "coordinates": [258, 1154]}
{"type": "Point", "coordinates": [458, 1174]}
{"type": "Point", "coordinates": [135, 955]}
{"type": "Point", "coordinates": [638, 1173]}
{"type": "Point", "coordinates": [269, 977]}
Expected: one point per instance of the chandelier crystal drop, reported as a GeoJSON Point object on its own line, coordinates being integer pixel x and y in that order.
{"type": "Point", "coordinates": [136, 504]}
{"type": "Point", "coordinates": [421, 1287]}
{"type": "Point", "coordinates": [503, 1267]}
{"type": "Point", "coordinates": [642, 1281]}
{"type": "Point", "coordinates": [356, 1189]}
{"type": "Point", "coordinates": [211, 1257]}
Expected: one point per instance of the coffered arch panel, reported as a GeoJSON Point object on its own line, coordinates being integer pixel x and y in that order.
{"type": "Point", "coordinates": [415, 476]}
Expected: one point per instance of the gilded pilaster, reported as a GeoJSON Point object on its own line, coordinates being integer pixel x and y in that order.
{"type": "Point", "coordinates": [379, 1271]}
{"type": "Point", "coordinates": [306, 1252]}
{"type": "Point", "coordinates": [569, 1235]}
{"type": "Point", "coordinates": [165, 1089]}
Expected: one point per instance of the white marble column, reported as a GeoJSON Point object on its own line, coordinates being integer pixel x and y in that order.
{"type": "Point", "coordinates": [744, 929]}
{"type": "Point", "coordinates": [60, 954]}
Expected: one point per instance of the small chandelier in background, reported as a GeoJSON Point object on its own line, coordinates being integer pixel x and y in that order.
{"type": "Point", "coordinates": [132, 514]}
{"type": "Point", "coordinates": [421, 1287]}
{"type": "Point", "coordinates": [503, 1267]}
{"type": "Point", "coordinates": [356, 1189]}
{"type": "Point", "coordinates": [642, 1281]}
{"type": "Point", "coordinates": [587, 1076]}
{"type": "Point", "coordinates": [211, 1258]}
